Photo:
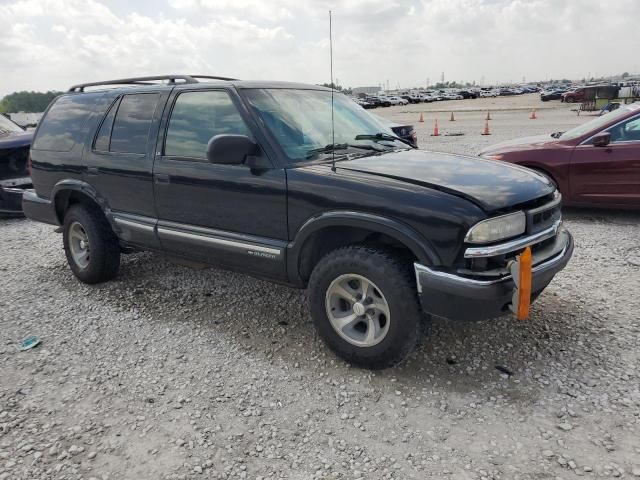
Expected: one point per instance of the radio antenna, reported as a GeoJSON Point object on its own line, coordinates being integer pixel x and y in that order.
{"type": "Point", "coordinates": [333, 132]}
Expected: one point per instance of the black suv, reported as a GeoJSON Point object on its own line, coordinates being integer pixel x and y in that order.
{"type": "Point", "coordinates": [252, 177]}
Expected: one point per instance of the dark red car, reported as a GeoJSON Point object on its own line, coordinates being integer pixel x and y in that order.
{"type": "Point", "coordinates": [577, 95]}
{"type": "Point", "coordinates": [594, 164]}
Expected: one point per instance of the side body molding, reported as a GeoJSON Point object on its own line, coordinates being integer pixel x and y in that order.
{"type": "Point", "coordinates": [420, 246]}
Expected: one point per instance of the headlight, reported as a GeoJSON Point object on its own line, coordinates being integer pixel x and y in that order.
{"type": "Point", "coordinates": [498, 228]}
{"type": "Point", "coordinates": [494, 157]}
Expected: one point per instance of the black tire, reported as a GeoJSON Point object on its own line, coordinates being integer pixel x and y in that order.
{"type": "Point", "coordinates": [104, 258]}
{"type": "Point", "coordinates": [569, 99]}
{"type": "Point", "coordinates": [394, 278]}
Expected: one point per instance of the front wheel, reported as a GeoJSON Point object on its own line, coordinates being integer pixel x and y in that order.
{"type": "Point", "coordinates": [365, 307]}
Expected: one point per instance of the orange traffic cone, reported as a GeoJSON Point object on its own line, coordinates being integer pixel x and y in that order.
{"type": "Point", "coordinates": [533, 114]}
{"type": "Point", "coordinates": [486, 128]}
{"type": "Point", "coordinates": [488, 115]}
{"type": "Point", "coordinates": [421, 118]}
{"type": "Point", "coordinates": [452, 119]}
{"type": "Point", "coordinates": [435, 133]}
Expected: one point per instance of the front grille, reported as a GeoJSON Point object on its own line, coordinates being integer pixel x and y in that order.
{"type": "Point", "coordinates": [541, 218]}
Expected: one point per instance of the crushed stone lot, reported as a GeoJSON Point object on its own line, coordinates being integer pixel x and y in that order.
{"type": "Point", "coordinates": [174, 373]}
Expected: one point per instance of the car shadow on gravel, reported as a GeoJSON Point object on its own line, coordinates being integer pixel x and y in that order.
{"type": "Point", "coordinates": [498, 357]}
{"type": "Point", "coordinates": [501, 357]}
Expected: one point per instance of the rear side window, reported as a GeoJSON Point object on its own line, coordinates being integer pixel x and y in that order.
{"type": "Point", "coordinates": [198, 116]}
{"type": "Point", "coordinates": [63, 125]}
{"type": "Point", "coordinates": [133, 120]}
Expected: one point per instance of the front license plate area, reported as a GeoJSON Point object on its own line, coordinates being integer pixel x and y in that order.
{"type": "Point", "coordinates": [521, 273]}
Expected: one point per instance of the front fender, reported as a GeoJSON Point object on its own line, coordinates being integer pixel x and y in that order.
{"type": "Point", "coordinates": [399, 231]}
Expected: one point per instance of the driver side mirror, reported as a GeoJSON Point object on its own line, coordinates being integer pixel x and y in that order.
{"type": "Point", "coordinates": [602, 139]}
{"type": "Point", "coordinates": [227, 149]}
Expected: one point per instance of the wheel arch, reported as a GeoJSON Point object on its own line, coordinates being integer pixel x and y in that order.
{"type": "Point", "coordinates": [68, 192]}
{"type": "Point", "coordinates": [544, 170]}
{"type": "Point", "coordinates": [328, 231]}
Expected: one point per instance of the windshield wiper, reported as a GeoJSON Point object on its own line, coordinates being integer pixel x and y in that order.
{"type": "Point", "coordinates": [556, 134]}
{"type": "Point", "coordinates": [332, 147]}
{"type": "Point", "coordinates": [382, 136]}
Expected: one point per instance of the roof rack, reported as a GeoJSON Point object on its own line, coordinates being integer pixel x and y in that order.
{"type": "Point", "coordinates": [146, 81]}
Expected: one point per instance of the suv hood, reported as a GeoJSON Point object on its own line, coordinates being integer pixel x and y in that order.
{"type": "Point", "coordinates": [492, 185]}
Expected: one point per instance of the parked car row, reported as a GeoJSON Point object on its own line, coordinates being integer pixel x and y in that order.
{"type": "Point", "coordinates": [553, 93]}
{"type": "Point", "coordinates": [564, 93]}
{"type": "Point", "coordinates": [428, 96]}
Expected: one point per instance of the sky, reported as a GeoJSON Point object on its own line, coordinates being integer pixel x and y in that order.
{"type": "Point", "coordinates": [52, 44]}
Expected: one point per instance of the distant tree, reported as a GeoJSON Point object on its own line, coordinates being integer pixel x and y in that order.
{"type": "Point", "coordinates": [332, 86]}
{"type": "Point", "coordinates": [449, 84]}
{"type": "Point", "coordinates": [30, 102]}
{"type": "Point", "coordinates": [625, 74]}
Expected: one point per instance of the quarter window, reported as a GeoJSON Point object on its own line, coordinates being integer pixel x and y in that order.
{"type": "Point", "coordinates": [198, 116]}
{"type": "Point", "coordinates": [131, 126]}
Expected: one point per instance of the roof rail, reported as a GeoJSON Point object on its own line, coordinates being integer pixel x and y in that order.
{"type": "Point", "coordinates": [146, 81]}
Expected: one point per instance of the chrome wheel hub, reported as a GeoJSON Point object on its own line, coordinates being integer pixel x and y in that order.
{"type": "Point", "coordinates": [357, 310]}
{"type": "Point", "coordinates": [79, 245]}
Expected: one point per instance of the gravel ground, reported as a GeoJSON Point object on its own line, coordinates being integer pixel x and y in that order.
{"type": "Point", "coordinates": [169, 372]}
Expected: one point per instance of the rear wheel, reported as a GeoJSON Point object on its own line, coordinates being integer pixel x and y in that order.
{"type": "Point", "coordinates": [365, 307]}
{"type": "Point", "coordinates": [91, 247]}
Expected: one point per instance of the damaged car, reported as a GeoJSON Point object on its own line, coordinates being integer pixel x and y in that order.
{"type": "Point", "coordinates": [14, 168]}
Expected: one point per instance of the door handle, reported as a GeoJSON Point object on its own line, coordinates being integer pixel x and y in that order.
{"type": "Point", "coordinates": [92, 170]}
{"type": "Point", "coordinates": [161, 178]}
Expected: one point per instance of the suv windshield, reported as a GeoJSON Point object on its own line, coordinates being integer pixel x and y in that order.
{"type": "Point", "coordinates": [300, 120]}
{"type": "Point", "coordinates": [599, 122]}
{"type": "Point", "coordinates": [7, 126]}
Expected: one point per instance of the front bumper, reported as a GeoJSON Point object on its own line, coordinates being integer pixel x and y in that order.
{"type": "Point", "coordinates": [462, 298]}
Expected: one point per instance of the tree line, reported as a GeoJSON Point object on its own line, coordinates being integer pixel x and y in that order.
{"type": "Point", "coordinates": [29, 102]}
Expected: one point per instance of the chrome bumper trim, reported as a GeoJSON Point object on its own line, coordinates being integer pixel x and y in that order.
{"type": "Point", "coordinates": [419, 268]}
{"type": "Point", "coordinates": [132, 224]}
{"type": "Point", "coordinates": [510, 246]}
